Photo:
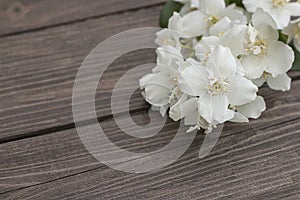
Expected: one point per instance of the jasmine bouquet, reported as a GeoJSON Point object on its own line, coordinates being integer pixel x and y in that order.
{"type": "Point", "coordinates": [213, 56]}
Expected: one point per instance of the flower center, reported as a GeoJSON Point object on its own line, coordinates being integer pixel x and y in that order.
{"type": "Point", "coordinates": [280, 3]}
{"type": "Point", "coordinates": [266, 76]}
{"type": "Point", "coordinates": [204, 56]}
{"type": "Point", "coordinates": [233, 107]}
{"type": "Point", "coordinates": [168, 42]}
{"type": "Point", "coordinates": [175, 92]}
{"type": "Point", "coordinates": [217, 87]}
{"type": "Point", "coordinates": [212, 20]}
{"type": "Point", "coordinates": [256, 45]}
{"type": "Point", "coordinates": [175, 95]}
{"type": "Point", "coordinates": [257, 48]}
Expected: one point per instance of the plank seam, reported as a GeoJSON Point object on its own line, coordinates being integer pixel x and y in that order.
{"type": "Point", "coordinates": [64, 127]}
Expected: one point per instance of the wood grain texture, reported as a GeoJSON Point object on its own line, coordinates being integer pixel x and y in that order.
{"type": "Point", "coordinates": [17, 16]}
{"type": "Point", "coordinates": [251, 161]}
{"type": "Point", "coordinates": [41, 156]}
{"type": "Point", "coordinates": [250, 165]}
{"type": "Point", "coordinates": [38, 71]}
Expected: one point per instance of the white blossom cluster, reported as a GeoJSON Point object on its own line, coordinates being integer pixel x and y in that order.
{"type": "Point", "coordinates": [212, 58]}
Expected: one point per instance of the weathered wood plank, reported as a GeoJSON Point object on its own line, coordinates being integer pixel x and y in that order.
{"type": "Point", "coordinates": [37, 79]}
{"type": "Point", "coordinates": [250, 160]}
{"type": "Point", "coordinates": [24, 15]}
{"type": "Point", "coordinates": [38, 71]}
{"type": "Point", "coordinates": [259, 164]}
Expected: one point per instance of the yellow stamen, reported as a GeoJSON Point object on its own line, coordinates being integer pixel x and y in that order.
{"type": "Point", "coordinates": [280, 3]}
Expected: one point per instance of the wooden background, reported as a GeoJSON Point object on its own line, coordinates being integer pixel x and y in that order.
{"type": "Point", "coordinates": [42, 44]}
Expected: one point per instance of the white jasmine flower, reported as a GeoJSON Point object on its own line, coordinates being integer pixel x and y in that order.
{"type": "Point", "coordinates": [293, 31]}
{"type": "Point", "coordinates": [214, 78]}
{"type": "Point", "coordinates": [160, 88]}
{"type": "Point", "coordinates": [218, 18]}
{"type": "Point", "coordinates": [252, 110]}
{"type": "Point", "coordinates": [259, 47]}
{"type": "Point", "coordinates": [217, 85]}
{"type": "Point", "coordinates": [171, 35]}
{"type": "Point", "coordinates": [280, 10]}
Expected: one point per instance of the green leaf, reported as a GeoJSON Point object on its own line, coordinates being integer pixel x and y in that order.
{"type": "Point", "coordinates": [238, 3]}
{"type": "Point", "coordinates": [283, 37]}
{"type": "Point", "coordinates": [167, 12]}
{"type": "Point", "coordinates": [296, 65]}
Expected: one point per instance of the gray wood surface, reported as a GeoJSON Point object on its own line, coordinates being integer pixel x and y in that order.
{"type": "Point", "coordinates": [269, 146]}
{"type": "Point", "coordinates": [41, 155]}
{"type": "Point", "coordinates": [38, 71]}
{"type": "Point", "coordinates": [19, 16]}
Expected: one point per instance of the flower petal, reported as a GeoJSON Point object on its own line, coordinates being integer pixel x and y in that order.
{"type": "Point", "coordinates": [169, 37]}
{"type": "Point", "coordinates": [156, 89]}
{"type": "Point", "coordinates": [259, 82]}
{"type": "Point", "coordinates": [162, 109]}
{"type": "Point", "coordinates": [251, 5]}
{"type": "Point", "coordinates": [205, 47]}
{"type": "Point", "coordinates": [167, 59]}
{"type": "Point", "coordinates": [254, 66]}
{"type": "Point", "coordinates": [220, 27]}
{"type": "Point", "coordinates": [194, 3]}
{"type": "Point", "coordinates": [253, 109]}
{"type": "Point", "coordinates": [157, 95]}
{"type": "Point", "coordinates": [214, 109]}
{"type": "Point", "coordinates": [191, 119]}
{"type": "Point", "coordinates": [281, 82]}
{"type": "Point", "coordinates": [291, 29]}
{"type": "Point", "coordinates": [281, 58]}
{"type": "Point", "coordinates": [194, 24]}
{"type": "Point", "coordinates": [236, 15]}
{"type": "Point", "coordinates": [261, 19]}
{"type": "Point", "coordinates": [212, 7]}
{"type": "Point", "coordinates": [294, 8]}
{"type": "Point", "coordinates": [235, 39]}
{"type": "Point", "coordinates": [183, 108]}
{"type": "Point", "coordinates": [265, 25]}
{"type": "Point", "coordinates": [281, 16]}
{"type": "Point", "coordinates": [175, 22]}
{"type": "Point", "coordinates": [193, 79]}
{"type": "Point", "coordinates": [222, 62]}
{"type": "Point", "coordinates": [241, 91]}
{"type": "Point", "coordinates": [239, 118]}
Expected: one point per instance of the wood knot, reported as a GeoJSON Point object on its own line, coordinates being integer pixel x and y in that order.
{"type": "Point", "coordinates": [17, 10]}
